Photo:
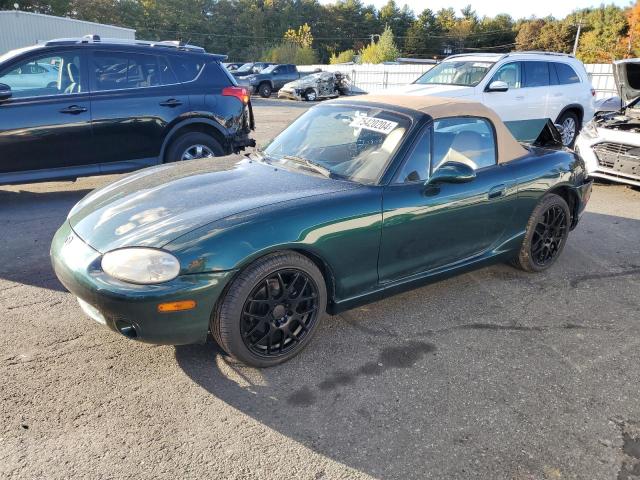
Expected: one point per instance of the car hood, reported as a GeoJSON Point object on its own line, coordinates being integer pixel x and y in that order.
{"type": "Point", "coordinates": [438, 90]}
{"type": "Point", "coordinates": [158, 205]}
{"type": "Point", "coordinates": [627, 77]}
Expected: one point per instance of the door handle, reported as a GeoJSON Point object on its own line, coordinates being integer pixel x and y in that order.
{"type": "Point", "coordinates": [172, 102]}
{"type": "Point", "coordinates": [520, 97]}
{"type": "Point", "coordinates": [73, 110]}
{"type": "Point", "coordinates": [497, 191]}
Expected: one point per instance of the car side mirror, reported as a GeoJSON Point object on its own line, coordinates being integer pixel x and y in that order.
{"type": "Point", "coordinates": [5, 92]}
{"type": "Point", "coordinates": [452, 172]}
{"type": "Point", "coordinates": [498, 86]}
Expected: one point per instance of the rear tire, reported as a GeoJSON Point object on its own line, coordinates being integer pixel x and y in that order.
{"type": "Point", "coordinates": [271, 310]}
{"type": "Point", "coordinates": [265, 90]}
{"type": "Point", "coordinates": [546, 234]}
{"type": "Point", "coordinates": [570, 124]}
{"type": "Point", "coordinates": [192, 145]}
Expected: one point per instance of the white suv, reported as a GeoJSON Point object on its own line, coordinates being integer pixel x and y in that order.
{"type": "Point", "coordinates": [521, 87]}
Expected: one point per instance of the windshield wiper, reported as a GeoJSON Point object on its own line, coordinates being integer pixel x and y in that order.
{"type": "Point", "coordinates": [309, 165]}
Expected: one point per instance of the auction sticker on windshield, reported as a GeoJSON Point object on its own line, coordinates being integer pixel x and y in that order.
{"type": "Point", "coordinates": [375, 124]}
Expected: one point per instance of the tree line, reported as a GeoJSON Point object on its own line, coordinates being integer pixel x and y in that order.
{"type": "Point", "coordinates": [254, 29]}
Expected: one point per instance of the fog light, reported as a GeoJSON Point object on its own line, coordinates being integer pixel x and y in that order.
{"type": "Point", "coordinates": [176, 306]}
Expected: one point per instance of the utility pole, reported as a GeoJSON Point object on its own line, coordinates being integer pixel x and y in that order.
{"type": "Point", "coordinates": [575, 44]}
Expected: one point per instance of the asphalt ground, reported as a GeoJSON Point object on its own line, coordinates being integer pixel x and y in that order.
{"type": "Point", "coordinates": [495, 374]}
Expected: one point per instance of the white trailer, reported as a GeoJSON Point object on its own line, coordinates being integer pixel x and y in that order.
{"type": "Point", "coordinates": [21, 29]}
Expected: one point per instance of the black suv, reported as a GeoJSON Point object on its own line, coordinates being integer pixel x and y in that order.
{"type": "Point", "coordinates": [77, 107]}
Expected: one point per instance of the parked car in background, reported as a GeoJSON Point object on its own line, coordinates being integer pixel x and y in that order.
{"type": "Point", "coordinates": [231, 66]}
{"type": "Point", "coordinates": [608, 104]}
{"type": "Point", "coordinates": [610, 143]}
{"type": "Point", "coordinates": [520, 87]}
{"type": "Point", "coordinates": [250, 68]}
{"type": "Point", "coordinates": [269, 80]}
{"type": "Point", "coordinates": [114, 106]}
{"type": "Point", "coordinates": [32, 75]}
{"type": "Point", "coordinates": [359, 198]}
{"type": "Point", "coordinates": [316, 86]}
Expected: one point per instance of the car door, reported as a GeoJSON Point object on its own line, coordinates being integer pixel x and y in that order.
{"type": "Point", "coordinates": [46, 123]}
{"type": "Point", "coordinates": [565, 89]}
{"type": "Point", "coordinates": [134, 97]}
{"type": "Point", "coordinates": [430, 226]}
{"type": "Point", "coordinates": [508, 105]}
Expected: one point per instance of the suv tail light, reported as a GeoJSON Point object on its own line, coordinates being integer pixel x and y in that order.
{"type": "Point", "coordinates": [240, 93]}
{"type": "Point", "coordinates": [593, 92]}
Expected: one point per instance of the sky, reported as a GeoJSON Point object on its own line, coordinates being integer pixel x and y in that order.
{"type": "Point", "coordinates": [516, 8]}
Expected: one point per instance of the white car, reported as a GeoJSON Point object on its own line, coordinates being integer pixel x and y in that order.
{"type": "Point", "coordinates": [33, 75]}
{"type": "Point", "coordinates": [610, 143]}
{"type": "Point", "coordinates": [521, 87]}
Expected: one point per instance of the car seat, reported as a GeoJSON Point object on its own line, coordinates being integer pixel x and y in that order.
{"type": "Point", "coordinates": [74, 78]}
{"type": "Point", "coordinates": [470, 148]}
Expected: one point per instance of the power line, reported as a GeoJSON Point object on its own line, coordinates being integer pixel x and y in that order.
{"type": "Point", "coordinates": [366, 38]}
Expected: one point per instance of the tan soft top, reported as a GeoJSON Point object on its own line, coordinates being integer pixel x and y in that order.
{"type": "Point", "coordinates": [441, 107]}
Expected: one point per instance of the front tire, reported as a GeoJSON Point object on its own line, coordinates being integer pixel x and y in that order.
{"type": "Point", "coordinates": [265, 90]}
{"type": "Point", "coordinates": [271, 310]}
{"type": "Point", "coordinates": [310, 95]}
{"type": "Point", "coordinates": [546, 234]}
{"type": "Point", "coordinates": [193, 145]}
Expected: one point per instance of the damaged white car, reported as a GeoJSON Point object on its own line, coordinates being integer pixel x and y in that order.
{"type": "Point", "coordinates": [316, 86]}
{"type": "Point", "coordinates": [610, 143]}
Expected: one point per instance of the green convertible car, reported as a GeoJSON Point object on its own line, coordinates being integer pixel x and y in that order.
{"type": "Point", "coordinates": [357, 199]}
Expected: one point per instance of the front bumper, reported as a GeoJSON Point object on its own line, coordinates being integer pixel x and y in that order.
{"type": "Point", "coordinates": [290, 94]}
{"type": "Point", "coordinates": [613, 165]}
{"type": "Point", "coordinates": [129, 309]}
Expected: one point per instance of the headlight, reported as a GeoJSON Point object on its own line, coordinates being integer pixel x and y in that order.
{"type": "Point", "coordinates": [590, 130]}
{"type": "Point", "coordinates": [141, 265]}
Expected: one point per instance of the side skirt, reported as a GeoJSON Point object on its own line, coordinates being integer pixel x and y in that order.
{"type": "Point", "coordinates": [503, 253]}
{"type": "Point", "coordinates": [72, 173]}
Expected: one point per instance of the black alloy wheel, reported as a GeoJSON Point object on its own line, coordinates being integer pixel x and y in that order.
{"type": "Point", "coordinates": [548, 236]}
{"type": "Point", "coordinates": [280, 311]}
{"type": "Point", "coordinates": [271, 310]}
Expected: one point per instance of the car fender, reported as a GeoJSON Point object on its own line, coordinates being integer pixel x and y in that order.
{"type": "Point", "coordinates": [346, 240]}
{"type": "Point", "coordinates": [181, 123]}
{"type": "Point", "coordinates": [572, 106]}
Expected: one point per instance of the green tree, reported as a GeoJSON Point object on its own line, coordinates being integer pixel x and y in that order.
{"type": "Point", "coordinates": [383, 51]}
{"type": "Point", "coordinates": [342, 57]}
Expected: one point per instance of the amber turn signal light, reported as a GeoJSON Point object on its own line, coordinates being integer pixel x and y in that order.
{"type": "Point", "coordinates": [176, 306]}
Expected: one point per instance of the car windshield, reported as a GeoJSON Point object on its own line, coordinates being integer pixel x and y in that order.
{"type": "Point", "coordinates": [463, 73]}
{"type": "Point", "coordinates": [355, 143]}
{"type": "Point", "coordinates": [245, 68]}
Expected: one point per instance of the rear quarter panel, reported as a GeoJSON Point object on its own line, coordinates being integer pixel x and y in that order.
{"type": "Point", "coordinates": [541, 172]}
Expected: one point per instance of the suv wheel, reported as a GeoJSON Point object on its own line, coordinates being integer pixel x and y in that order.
{"type": "Point", "coordinates": [569, 122]}
{"type": "Point", "coordinates": [265, 90]}
{"type": "Point", "coordinates": [194, 145]}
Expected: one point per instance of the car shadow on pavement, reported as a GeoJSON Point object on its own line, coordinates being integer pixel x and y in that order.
{"type": "Point", "coordinates": [28, 221]}
{"type": "Point", "coordinates": [486, 375]}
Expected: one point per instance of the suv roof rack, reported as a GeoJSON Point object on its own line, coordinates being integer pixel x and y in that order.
{"type": "Point", "coordinates": [540, 52]}
{"type": "Point", "coordinates": [176, 44]}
